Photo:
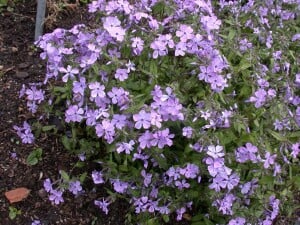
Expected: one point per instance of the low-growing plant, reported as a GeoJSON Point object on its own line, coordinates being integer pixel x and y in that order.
{"type": "Point", "coordinates": [13, 212]}
{"type": "Point", "coordinates": [34, 157]}
{"type": "Point", "coordinates": [186, 107]}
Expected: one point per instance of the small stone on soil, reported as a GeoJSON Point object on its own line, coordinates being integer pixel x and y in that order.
{"type": "Point", "coordinates": [22, 74]}
{"type": "Point", "coordinates": [23, 65]}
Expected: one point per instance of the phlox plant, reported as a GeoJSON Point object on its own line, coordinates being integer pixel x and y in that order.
{"type": "Point", "coordinates": [187, 107]}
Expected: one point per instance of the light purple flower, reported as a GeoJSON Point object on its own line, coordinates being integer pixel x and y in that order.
{"type": "Point", "coordinates": [147, 178]}
{"type": "Point", "coordinates": [103, 205]}
{"type": "Point", "coordinates": [97, 90]}
{"type": "Point", "coordinates": [211, 22]}
{"type": "Point", "coordinates": [125, 147]}
{"type": "Point", "coordinates": [215, 165]}
{"type": "Point", "coordinates": [106, 129]}
{"type": "Point", "coordinates": [180, 213]}
{"type": "Point", "coordinates": [185, 33]}
{"type": "Point", "coordinates": [48, 185]}
{"type": "Point", "coordinates": [190, 171]}
{"type": "Point", "coordinates": [162, 138]}
{"type": "Point", "coordinates": [56, 196]}
{"type": "Point", "coordinates": [142, 119]}
{"type": "Point", "coordinates": [295, 150]}
{"type": "Point", "coordinates": [25, 133]}
{"type": "Point", "coordinates": [225, 205]}
{"type": "Point", "coordinates": [187, 132]}
{"type": "Point", "coordinates": [145, 140]}
{"type": "Point", "coordinates": [270, 160]}
{"type": "Point", "coordinates": [215, 151]}
{"type": "Point", "coordinates": [74, 114]}
{"type": "Point", "coordinates": [75, 187]}
{"type": "Point", "coordinates": [119, 186]}
{"type": "Point", "coordinates": [97, 177]}
{"type": "Point", "coordinates": [121, 74]}
{"type": "Point", "coordinates": [36, 222]}
{"type": "Point", "coordinates": [237, 221]}
{"type": "Point", "coordinates": [137, 45]}
{"type": "Point", "coordinates": [69, 73]}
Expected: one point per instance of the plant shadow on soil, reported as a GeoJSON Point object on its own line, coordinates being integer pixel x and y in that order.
{"type": "Point", "coordinates": [20, 64]}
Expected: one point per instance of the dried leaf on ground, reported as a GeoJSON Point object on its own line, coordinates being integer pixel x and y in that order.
{"type": "Point", "coordinates": [17, 195]}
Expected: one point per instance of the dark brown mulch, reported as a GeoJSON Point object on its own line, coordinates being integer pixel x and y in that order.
{"type": "Point", "coordinates": [20, 63]}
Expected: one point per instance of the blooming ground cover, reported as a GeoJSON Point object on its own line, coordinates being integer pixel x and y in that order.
{"type": "Point", "coordinates": [187, 107]}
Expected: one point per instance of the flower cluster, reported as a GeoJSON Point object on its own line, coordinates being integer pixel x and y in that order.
{"type": "Point", "coordinates": [167, 97]}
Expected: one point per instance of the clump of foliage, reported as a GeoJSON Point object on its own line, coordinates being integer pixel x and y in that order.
{"type": "Point", "coordinates": [184, 105]}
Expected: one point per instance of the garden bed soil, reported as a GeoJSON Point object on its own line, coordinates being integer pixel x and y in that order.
{"type": "Point", "coordinates": [20, 64]}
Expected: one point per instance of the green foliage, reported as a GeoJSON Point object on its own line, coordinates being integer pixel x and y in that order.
{"type": "Point", "coordinates": [34, 157]}
{"type": "Point", "coordinates": [13, 212]}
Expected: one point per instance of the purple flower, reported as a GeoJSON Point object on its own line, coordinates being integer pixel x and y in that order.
{"type": "Point", "coordinates": [75, 187]}
{"type": "Point", "coordinates": [103, 204]}
{"type": "Point", "coordinates": [34, 94]}
{"type": "Point", "coordinates": [119, 186]}
{"type": "Point", "coordinates": [56, 196]}
{"type": "Point", "coordinates": [187, 132]}
{"type": "Point", "coordinates": [147, 178]}
{"type": "Point", "coordinates": [181, 184]}
{"type": "Point", "coordinates": [296, 37]}
{"type": "Point", "coordinates": [270, 160]}
{"type": "Point", "coordinates": [173, 173]}
{"type": "Point", "coordinates": [118, 96]}
{"type": "Point", "coordinates": [162, 138]}
{"type": "Point", "coordinates": [97, 177]}
{"type": "Point", "coordinates": [155, 119]}
{"type": "Point", "coordinates": [48, 185]}
{"type": "Point", "coordinates": [106, 129]}
{"type": "Point", "coordinates": [215, 165]}
{"type": "Point", "coordinates": [69, 73]}
{"type": "Point", "coordinates": [246, 153]}
{"type": "Point", "coordinates": [97, 90]}
{"type": "Point", "coordinates": [145, 140]}
{"type": "Point", "coordinates": [113, 26]}
{"type": "Point", "coordinates": [159, 48]}
{"type": "Point", "coordinates": [295, 150]}
{"type": "Point", "coordinates": [181, 48]}
{"type": "Point", "coordinates": [79, 86]}
{"type": "Point", "coordinates": [190, 171]}
{"type": "Point", "coordinates": [219, 182]}
{"type": "Point", "coordinates": [142, 119]}
{"type": "Point", "coordinates": [125, 147]}
{"type": "Point", "coordinates": [74, 114]}
{"type": "Point", "coordinates": [215, 151]}
{"type": "Point", "coordinates": [259, 98]}
{"type": "Point", "coordinates": [119, 121]}
{"type": "Point", "coordinates": [180, 213]}
{"type": "Point", "coordinates": [121, 74]}
{"type": "Point", "coordinates": [232, 181]}
{"type": "Point", "coordinates": [137, 45]}
{"type": "Point", "coordinates": [225, 205]}
{"type": "Point", "coordinates": [237, 221]}
{"type": "Point", "coordinates": [185, 33]}
{"type": "Point", "coordinates": [210, 22]}
{"type": "Point", "coordinates": [36, 222]}
{"type": "Point", "coordinates": [25, 133]}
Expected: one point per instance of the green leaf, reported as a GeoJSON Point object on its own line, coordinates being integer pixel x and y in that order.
{"type": "Point", "coordinates": [34, 157]}
{"type": "Point", "coordinates": [66, 142]}
{"type": "Point", "coordinates": [266, 180]}
{"type": "Point", "coordinates": [244, 64]}
{"type": "Point", "coordinates": [83, 177]}
{"type": "Point", "coordinates": [231, 34]}
{"type": "Point", "coordinates": [166, 218]}
{"type": "Point", "coordinates": [277, 136]}
{"type": "Point", "coordinates": [64, 175]}
{"type": "Point", "coordinates": [48, 128]}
